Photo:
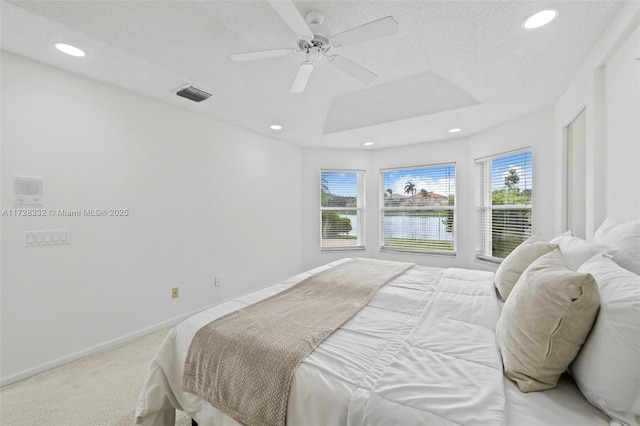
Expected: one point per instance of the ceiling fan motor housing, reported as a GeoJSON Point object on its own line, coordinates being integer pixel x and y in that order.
{"type": "Point", "coordinates": [321, 34]}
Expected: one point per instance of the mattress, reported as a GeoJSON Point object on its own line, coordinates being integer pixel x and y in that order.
{"type": "Point", "coordinates": [421, 352]}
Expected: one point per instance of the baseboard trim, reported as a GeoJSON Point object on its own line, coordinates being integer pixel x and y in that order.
{"type": "Point", "coordinates": [25, 374]}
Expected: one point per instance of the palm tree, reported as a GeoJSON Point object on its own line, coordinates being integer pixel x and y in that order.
{"type": "Point", "coordinates": [325, 192]}
{"type": "Point", "coordinates": [410, 189]}
{"type": "Point", "coordinates": [324, 184]}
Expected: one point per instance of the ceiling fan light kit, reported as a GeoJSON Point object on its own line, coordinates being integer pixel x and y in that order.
{"type": "Point", "coordinates": [316, 40]}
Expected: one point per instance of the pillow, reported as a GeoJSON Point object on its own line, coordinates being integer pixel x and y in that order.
{"type": "Point", "coordinates": [576, 250]}
{"type": "Point", "coordinates": [625, 238]}
{"type": "Point", "coordinates": [607, 369]}
{"type": "Point", "coordinates": [628, 260]}
{"type": "Point", "coordinates": [517, 261]}
{"type": "Point", "coordinates": [545, 321]}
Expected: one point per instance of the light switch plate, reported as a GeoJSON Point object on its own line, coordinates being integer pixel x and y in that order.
{"type": "Point", "coordinates": [50, 237]}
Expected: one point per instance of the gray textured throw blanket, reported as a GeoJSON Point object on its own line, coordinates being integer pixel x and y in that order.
{"type": "Point", "coordinates": [243, 362]}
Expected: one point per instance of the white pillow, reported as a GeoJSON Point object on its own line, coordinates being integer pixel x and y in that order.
{"type": "Point", "coordinates": [518, 260]}
{"type": "Point", "coordinates": [628, 260]}
{"type": "Point", "coordinates": [625, 238]}
{"type": "Point", "coordinates": [576, 250]}
{"type": "Point", "coordinates": [607, 369]}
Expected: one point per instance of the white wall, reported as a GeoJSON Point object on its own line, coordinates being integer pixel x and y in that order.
{"type": "Point", "coordinates": [608, 86]}
{"type": "Point", "coordinates": [535, 130]}
{"type": "Point", "coordinates": [205, 200]}
{"type": "Point", "coordinates": [622, 129]}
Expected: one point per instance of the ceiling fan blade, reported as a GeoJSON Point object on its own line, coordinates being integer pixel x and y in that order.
{"type": "Point", "coordinates": [302, 78]}
{"type": "Point", "coordinates": [290, 14]}
{"type": "Point", "coordinates": [354, 70]}
{"type": "Point", "coordinates": [380, 28]}
{"type": "Point", "coordinates": [273, 53]}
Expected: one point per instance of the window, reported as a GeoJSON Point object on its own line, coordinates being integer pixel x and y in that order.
{"type": "Point", "coordinates": [418, 209]}
{"type": "Point", "coordinates": [502, 203]}
{"type": "Point", "coordinates": [342, 209]}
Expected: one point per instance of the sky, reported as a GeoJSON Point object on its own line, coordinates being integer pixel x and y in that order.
{"type": "Point", "coordinates": [345, 184]}
{"type": "Point", "coordinates": [438, 179]}
{"type": "Point", "coordinates": [521, 162]}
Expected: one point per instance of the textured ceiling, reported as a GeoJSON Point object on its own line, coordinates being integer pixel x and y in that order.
{"type": "Point", "coordinates": [491, 69]}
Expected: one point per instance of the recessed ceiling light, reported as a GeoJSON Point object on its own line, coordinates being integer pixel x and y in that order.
{"type": "Point", "coordinates": [275, 127]}
{"type": "Point", "coordinates": [539, 19]}
{"type": "Point", "coordinates": [454, 130]}
{"type": "Point", "coordinates": [368, 143]}
{"type": "Point", "coordinates": [70, 50]}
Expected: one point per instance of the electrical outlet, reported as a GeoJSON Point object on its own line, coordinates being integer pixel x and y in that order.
{"type": "Point", "coordinates": [216, 282]}
{"type": "Point", "coordinates": [174, 292]}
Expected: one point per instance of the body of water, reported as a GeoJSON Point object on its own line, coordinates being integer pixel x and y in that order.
{"type": "Point", "coordinates": [416, 227]}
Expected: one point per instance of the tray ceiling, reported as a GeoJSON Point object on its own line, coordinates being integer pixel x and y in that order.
{"type": "Point", "coordinates": [463, 64]}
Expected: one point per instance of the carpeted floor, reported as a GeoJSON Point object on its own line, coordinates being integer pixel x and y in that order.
{"type": "Point", "coordinates": [101, 390]}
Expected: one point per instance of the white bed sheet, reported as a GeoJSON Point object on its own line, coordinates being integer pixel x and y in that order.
{"type": "Point", "coordinates": [411, 356]}
{"type": "Point", "coordinates": [546, 408]}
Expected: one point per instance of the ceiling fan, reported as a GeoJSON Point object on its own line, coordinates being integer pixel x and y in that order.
{"type": "Point", "coordinates": [316, 41]}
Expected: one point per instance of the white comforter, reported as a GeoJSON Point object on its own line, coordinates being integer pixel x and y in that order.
{"type": "Point", "coordinates": [421, 352]}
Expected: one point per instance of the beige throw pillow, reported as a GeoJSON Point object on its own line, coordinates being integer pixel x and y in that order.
{"type": "Point", "coordinates": [518, 260]}
{"type": "Point", "coordinates": [545, 321]}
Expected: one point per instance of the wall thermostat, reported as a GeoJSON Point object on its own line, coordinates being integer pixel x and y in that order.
{"type": "Point", "coordinates": [28, 191]}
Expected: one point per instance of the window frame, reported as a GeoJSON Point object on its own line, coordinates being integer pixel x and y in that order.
{"type": "Point", "coordinates": [483, 194]}
{"type": "Point", "coordinates": [383, 209]}
{"type": "Point", "coordinates": [360, 210]}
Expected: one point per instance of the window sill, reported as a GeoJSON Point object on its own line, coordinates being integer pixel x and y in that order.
{"type": "Point", "coordinates": [489, 259]}
{"type": "Point", "coordinates": [352, 248]}
{"type": "Point", "coordinates": [411, 251]}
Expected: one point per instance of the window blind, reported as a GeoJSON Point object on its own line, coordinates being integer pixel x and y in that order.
{"type": "Point", "coordinates": [503, 203]}
{"type": "Point", "coordinates": [418, 209]}
{"type": "Point", "coordinates": [341, 209]}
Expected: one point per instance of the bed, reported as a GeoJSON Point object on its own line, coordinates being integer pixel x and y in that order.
{"type": "Point", "coordinates": [422, 351]}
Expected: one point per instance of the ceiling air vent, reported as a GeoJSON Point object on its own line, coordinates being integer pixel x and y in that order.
{"type": "Point", "coordinates": [193, 93]}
